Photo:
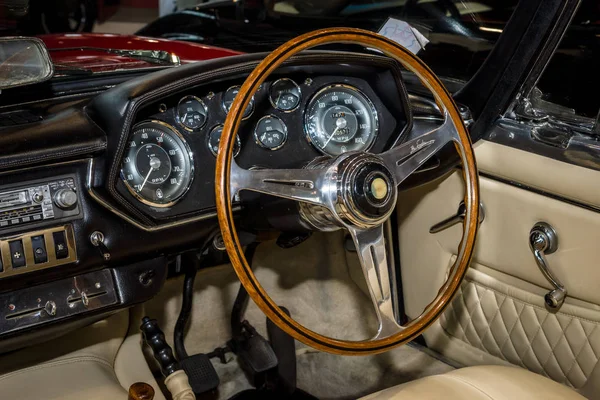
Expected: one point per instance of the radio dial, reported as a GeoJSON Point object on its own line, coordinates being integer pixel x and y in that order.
{"type": "Point", "coordinates": [38, 197]}
{"type": "Point", "coordinates": [65, 198]}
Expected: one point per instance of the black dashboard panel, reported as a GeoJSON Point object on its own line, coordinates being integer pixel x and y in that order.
{"type": "Point", "coordinates": [370, 80]}
{"type": "Point", "coordinates": [86, 140]}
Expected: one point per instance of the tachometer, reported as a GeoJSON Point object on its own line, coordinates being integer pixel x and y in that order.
{"type": "Point", "coordinates": [339, 118]}
{"type": "Point", "coordinates": [158, 167]}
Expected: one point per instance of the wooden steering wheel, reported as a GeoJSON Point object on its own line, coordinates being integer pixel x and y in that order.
{"type": "Point", "coordinates": [356, 191]}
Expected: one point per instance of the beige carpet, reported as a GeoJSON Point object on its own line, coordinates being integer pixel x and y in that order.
{"type": "Point", "coordinates": [312, 280]}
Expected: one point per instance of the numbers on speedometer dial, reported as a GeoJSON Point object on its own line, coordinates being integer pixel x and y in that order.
{"type": "Point", "coordinates": [157, 168]}
{"type": "Point", "coordinates": [339, 118]}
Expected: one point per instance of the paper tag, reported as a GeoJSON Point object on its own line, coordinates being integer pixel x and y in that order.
{"type": "Point", "coordinates": [401, 32]}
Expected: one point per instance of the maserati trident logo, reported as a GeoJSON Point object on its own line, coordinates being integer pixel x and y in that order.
{"type": "Point", "coordinates": [420, 145]}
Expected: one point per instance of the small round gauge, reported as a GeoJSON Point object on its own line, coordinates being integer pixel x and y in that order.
{"type": "Point", "coordinates": [285, 94]}
{"type": "Point", "coordinates": [228, 98]}
{"type": "Point", "coordinates": [157, 167]}
{"type": "Point", "coordinates": [214, 138]}
{"type": "Point", "coordinates": [192, 113]}
{"type": "Point", "coordinates": [270, 132]}
{"type": "Point", "coordinates": [339, 118]}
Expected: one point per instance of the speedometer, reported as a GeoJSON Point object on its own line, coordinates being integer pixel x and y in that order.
{"type": "Point", "coordinates": [157, 167]}
{"type": "Point", "coordinates": [339, 118]}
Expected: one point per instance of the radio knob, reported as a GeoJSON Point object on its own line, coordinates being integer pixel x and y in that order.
{"type": "Point", "coordinates": [38, 197]}
{"type": "Point", "coordinates": [65, 198]}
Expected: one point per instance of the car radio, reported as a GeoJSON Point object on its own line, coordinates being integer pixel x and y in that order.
{"type": "Point", "coordinates": [56, 199]}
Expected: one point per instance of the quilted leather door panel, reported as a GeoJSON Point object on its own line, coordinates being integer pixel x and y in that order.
{"type": "Point", "coordinates": [511, 324]}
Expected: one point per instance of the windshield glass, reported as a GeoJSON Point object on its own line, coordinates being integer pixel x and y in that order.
{"type": "Point", "coordinates": [460, 33]}
{"type": "Point", "coordinates": [100, 36]}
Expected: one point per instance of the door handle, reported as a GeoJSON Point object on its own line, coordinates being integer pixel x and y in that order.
{"type": "Point", "coordinates": [459, 217]}
{"type": "Point", "coordinates": [543, 240]}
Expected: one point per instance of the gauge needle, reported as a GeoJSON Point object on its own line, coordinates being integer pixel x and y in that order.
{"type": "Point", "coordinates": [332, 135]}
{"type": "Point", "coordinates": [146, 180]}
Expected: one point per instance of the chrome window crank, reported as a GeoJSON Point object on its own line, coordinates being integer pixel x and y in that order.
{"type": "Point", "coordinates": [455, 219]}
{"type": "Point", "coordinates": [542, 241]}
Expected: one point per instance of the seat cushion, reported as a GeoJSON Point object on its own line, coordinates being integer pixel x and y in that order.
{"type": "Point", "coordinates": [487, 382]}
{"type": "Point", "coordinates": [77, 378]}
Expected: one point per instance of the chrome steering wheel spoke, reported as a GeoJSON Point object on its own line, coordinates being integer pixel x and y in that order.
{"type": "Point", "coordinates": [305, 185]}
{"type": "Point", "coordinates": [404, 159]}
{"type": "Point", "coordinates": [371, 249]}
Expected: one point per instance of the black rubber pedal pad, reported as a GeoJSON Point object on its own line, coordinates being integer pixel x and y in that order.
{"type": "Point", "coordinates": [201, 373]}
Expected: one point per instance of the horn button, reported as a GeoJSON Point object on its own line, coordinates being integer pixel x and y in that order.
{"type": "Point", "coordinates": [366, 192]}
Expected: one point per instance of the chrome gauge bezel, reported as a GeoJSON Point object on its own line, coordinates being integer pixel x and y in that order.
{"type": "Point", "coordinates": [251, 104]}
{"type": "Point", "coordinates": [190, 158]}
{"type": "Point", "coordinates": [237, 139]}
{"type": "Point", "coordinates": [369, 103]}
{"type": "Point", "coordinates": [271, 95]}
{"type": "Point", "coordinates": [180, 120]}
{"type": "Point", "coordinates": [285, 133]}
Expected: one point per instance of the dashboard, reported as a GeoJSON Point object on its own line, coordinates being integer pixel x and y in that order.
{"type": "Point", "coordinates": [103, 190]}
{"type": "Point", "coordinates": [167, 168]}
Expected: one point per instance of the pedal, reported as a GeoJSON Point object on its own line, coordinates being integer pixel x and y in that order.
{"type": "Point", "coordinates": [201, 373]}
{"type": "Point", "coordinates": [253, 351]}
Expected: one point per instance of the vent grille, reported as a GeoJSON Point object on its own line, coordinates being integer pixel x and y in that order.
{"type": "Point", "coordinates": [18, 118]}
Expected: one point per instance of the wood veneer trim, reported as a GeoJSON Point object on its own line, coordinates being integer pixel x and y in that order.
{"type": "Point", "coordinates": [224, 206]}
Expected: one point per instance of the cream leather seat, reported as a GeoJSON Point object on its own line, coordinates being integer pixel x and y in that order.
{"type": "Point", "coordinates": [489, 383]}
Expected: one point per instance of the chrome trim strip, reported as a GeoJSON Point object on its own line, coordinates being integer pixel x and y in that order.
{"type": "Point", "coordinates": [573, 148]}
{"type": "Point", "coordinates": [94, 195]}
{"type": "Point", "coordinates": [537, 191]}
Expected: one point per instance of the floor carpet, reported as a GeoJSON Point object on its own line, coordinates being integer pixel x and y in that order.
{"type": "Point", "coordinates": [313, 281]}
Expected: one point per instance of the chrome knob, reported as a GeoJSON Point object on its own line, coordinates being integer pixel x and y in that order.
{"type": "Point", "coordinates": [50, 308]}
{"type": "Point", "coordinates": [65, 198]}
{"type": "Point", "coordinates": [555, 298]}
{"type": "Point", "coordinates": [543, 240]}
{"type": "Point", "coordinates": [38, 197]}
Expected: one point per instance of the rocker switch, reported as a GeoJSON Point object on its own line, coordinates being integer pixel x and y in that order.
{"type": "Point", "coordinates": [40, 255]}
{"type": "Point", "coordinates": [60, 245]}
{"type": "Point", "coordinates": [17, 254]}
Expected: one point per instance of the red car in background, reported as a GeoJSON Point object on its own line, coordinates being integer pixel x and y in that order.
{"type": "Point", "coordinates": [97, 53]}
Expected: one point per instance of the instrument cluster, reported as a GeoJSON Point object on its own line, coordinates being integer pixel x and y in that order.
{"type": "Point", "coordinates": [315, 116]}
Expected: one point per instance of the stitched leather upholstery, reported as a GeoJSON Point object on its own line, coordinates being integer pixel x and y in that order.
{"type": "Point", "coordinates": [503, 322]}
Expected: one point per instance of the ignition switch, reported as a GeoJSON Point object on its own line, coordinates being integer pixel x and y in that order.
{"type": "Point", "coordinates": [97, 240]}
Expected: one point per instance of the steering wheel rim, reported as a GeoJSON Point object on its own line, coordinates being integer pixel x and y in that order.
{"type": "Point", "coordinates": [371, 260]}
